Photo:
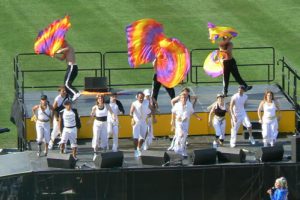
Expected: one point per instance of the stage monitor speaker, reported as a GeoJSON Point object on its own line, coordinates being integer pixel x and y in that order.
{"type": "Point", "coordinates": [109, 159]}
{"type": "Point", "coordinates": [295, 143]}
{"type": "Point", "coordinates": [226, 154]}
{"type": "Point", "coordinates": [95, 84]}
{"type": "Point", "coordinates": [58, 160]}
{"type": "Point", "coordinates": [204, 156]}
{"type": "Point", "coordinates": [270, 154]}
{"type": "Point", "coordinates": [161, 158]}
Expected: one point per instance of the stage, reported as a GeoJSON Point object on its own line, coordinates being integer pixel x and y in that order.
{"type": "Point", "coordinates": [206, 96]}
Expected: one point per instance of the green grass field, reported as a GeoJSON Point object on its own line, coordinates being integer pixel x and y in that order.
{"type": "Point", "coordinates": [99, 26]}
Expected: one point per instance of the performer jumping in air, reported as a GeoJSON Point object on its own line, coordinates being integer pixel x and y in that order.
{"type": "Point", "coordinates": [42, 114]}
{"type": "Point", "coordinates": [229, 65]}
{"type": "Point", "coordinates": [68, 54]}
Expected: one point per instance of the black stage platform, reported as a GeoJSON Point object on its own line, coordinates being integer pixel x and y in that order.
{"type": "Point", "coordinates": [23, 175]}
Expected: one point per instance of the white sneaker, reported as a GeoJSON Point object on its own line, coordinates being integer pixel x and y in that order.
{"type": "Point", "coordinates": [65, 150]}
{"type": "Point", "coordinates": [136, 153]}
{"type": "Point", "coordinates": [94, 157]}
{"type": "Point", "coordinates": [215, 144]}
{"type": "Point", "coordinates": [232, 145]}
{"type": "Point", "coordinates": [50, 146]}
{"type": "Point", "coordinates": [76, 96]}
{"type": "Point", "coordinates": [145, 146]}
{"type": "Point", "coordinates": [251, 139]}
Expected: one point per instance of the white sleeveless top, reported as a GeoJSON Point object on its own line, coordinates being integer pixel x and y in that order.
{"type": "Point", "coordinates": [41, 114]}
{"type": "Point", "coordinates": [101, 113]}
{"type": "Point", "coordinates": [269, 112]}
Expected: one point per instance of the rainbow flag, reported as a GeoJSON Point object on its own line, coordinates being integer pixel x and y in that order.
{"type": "Point", "coordinates": [52, 37]}
{"type": "Point", "coordinates": [216, 32]}
{"type": "Point", "coordinates": [213, 65]}
{"type": "Point", "coordinates": [147, 43]}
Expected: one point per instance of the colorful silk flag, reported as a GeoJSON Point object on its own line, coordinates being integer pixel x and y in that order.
{"type": "Point", "coordinates": [216, 32]}
{"type": "Point", "coordinates": [213, 65]}
{"type": "Point", "coordinates": [146, 43]}
{"type": "Point", "coordinates": [52, 37]}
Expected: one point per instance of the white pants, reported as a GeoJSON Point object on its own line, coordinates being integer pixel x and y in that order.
{"type": "Point", "coordinates": [219, 125]}
{"type": "Point", "coordinates": [241, 119]}
{"type": "Point", "coordinates": [150, 135]}
{"type": "Point", "coordinates": [181, 133]}
{"type": "Point", "coordinates": [55, 129]}
{"type": "Point", "coordinates": [69, 134]}
{"type": "Point", "coordinates": [100, 133]}
{"type": "Point", "coordinates": [139, 130]}
{"type": "Point", "coordinates": [113, 129]}
{"type": "Point", "coordinates": [42, 131]}
{"type": "Point", "coordinates": [269, 131]}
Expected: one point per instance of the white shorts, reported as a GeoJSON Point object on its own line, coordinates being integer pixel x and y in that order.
{"type": "Point", "coordinates": [139, 130]}
{"type": "Point", "coordinates": [69, 134]}
{"type": "Point", "coordinates": [42, 131]}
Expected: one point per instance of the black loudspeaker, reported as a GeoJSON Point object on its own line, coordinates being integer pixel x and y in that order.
{"type": "Point", "coordinates": [270, 154]}
{"type": "Point", "coordinates": [204, 156]}
{"type": "Point", "coordinates": [61, 160]}
{"type": "Point", "coordinates": [109, 159]}
{"type": "Point", "coordinates": [295, 143]}
{"type": "Point", "coordinates": [226, 154]}
{"type": "Point", "coordinates": [95, 84]}
{"type": "Point", "coordinates": [161, 158]}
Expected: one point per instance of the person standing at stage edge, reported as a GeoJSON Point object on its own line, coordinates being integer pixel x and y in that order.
{"type": "Point", "coordinates": [68, 54]}
{"type": "Point", "coordinates": [239, 115]}
{"type": "Point", "coordinates": [156, 85]}
{"type": "Point", "coordinates": [229, 66]}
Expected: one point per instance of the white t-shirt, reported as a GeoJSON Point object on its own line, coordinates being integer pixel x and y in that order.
{"type": "Point", "coordinates": [141, 110]}
{"type": "Point", "coordinates": [239, 106]}
{"type": "Point", "coordinates": [183, 112]}
{"type": "Point", "coordinates": [69, 118]}
{"type": "Point", "coordinates": [115, 110]}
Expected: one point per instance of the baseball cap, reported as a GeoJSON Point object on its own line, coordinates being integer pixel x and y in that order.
{"type": "Point", "coordinates": [44, 97]}
{"type": "Point", "coordinates": [242, 87]}
{"type": "Point", "coordinates": [220, 95]}
{"type": "Point", "coordinates": [147, 92]}
{"type": "Point", "coordinates": [67, 102]}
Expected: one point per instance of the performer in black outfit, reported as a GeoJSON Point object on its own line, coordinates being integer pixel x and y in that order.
{"type": "Point", "coordinates": [156, 86]}
{"type": "Point", "coordinates": [229, 65]}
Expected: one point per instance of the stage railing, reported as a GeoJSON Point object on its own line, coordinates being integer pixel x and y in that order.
{"type": "Point", "coordinates": [246, 57]}
{"type": "Point", "coordinates": [43, 72]}
{"type": "Point", "coordinates": [289, 85]}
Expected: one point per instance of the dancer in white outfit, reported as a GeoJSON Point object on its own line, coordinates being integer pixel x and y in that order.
{"type": "Point", "coordinates": [181, 113]}
{"type": "Point", "coordinates": [153, 106]}
{"type": "Point", "coordinates": [139, 112]}
{"type": "Point", "coordinates": [100, 112]}
{"type": "Point", "coordinates": [69, 122]}
{"type": "Point", "coordinates": [113, 122]}
{"type": "Point", "coordinates": [269, 121]}
{"type": "Point", "coordinates": [58, 105]}
{"type": "Point", "coordinates": [42, 114]}
{"type": "Point", "coordinates": [219, 122]}
{"type": "Point", "coordinates": [239, 115]}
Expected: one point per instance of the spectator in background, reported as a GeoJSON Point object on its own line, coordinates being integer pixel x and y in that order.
{"type": "Point", "coordinates": [280, 190]}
